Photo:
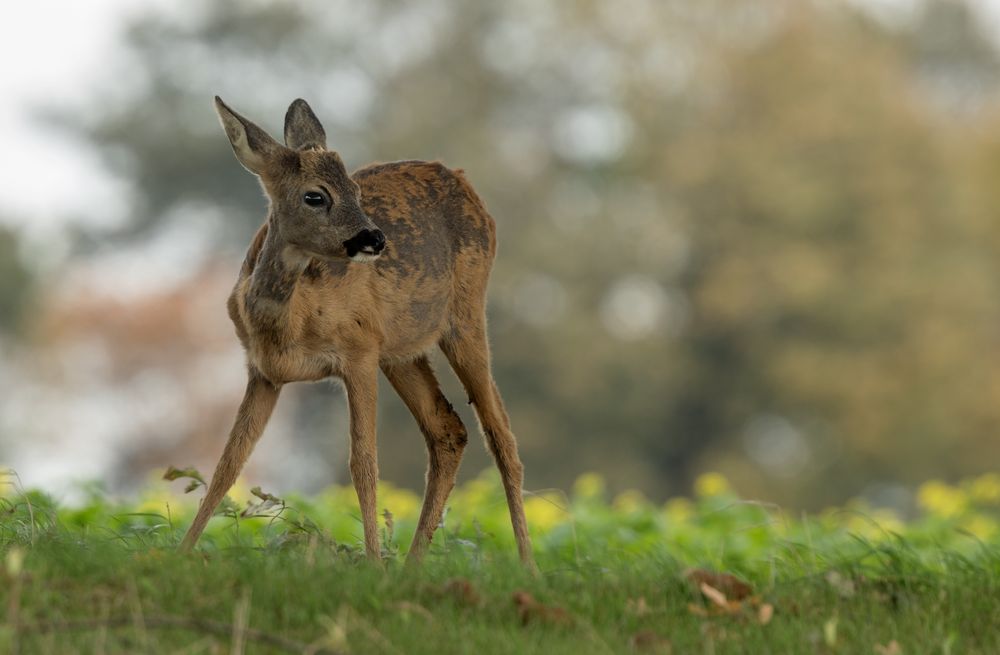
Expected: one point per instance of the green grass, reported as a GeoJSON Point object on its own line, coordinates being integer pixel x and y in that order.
{"type": "Point", "coordinates": [106, 578]}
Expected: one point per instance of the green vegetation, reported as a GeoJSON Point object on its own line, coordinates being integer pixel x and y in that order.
{"type": "Point", "coordinates": [621, 576]}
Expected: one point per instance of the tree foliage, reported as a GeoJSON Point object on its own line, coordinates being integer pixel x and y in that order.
{"type": "Point", "coordinates": [16, 284]}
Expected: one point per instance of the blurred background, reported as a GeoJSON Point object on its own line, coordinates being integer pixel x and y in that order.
{"type": "Point", "coordinates": [758, 237]}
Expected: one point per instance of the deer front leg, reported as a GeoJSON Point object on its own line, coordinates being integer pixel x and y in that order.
{"type": "Point", "coordinates": [255, 410]}
{"type": "Point", "coordinates": [361, 383]}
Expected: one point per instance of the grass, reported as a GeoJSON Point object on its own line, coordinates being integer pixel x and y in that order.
{"type": "Point", "coordinates": [615, 578]}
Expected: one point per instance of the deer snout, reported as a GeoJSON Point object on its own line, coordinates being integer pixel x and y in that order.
{"type": "Point", "coordinates": [366, 242]}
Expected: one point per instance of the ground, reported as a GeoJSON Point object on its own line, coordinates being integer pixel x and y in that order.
{"type": "Point", "coordinates": [715, 574]}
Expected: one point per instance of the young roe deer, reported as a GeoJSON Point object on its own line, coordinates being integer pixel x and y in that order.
{"type": "Point", "coordinates": [355, 273]}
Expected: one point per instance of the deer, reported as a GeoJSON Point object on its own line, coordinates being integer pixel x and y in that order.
{"type": "Point", "coordinates": [355, 273]}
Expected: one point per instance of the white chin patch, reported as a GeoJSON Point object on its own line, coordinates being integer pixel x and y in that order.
{"type": "Point", "coordinates": [364, 257]}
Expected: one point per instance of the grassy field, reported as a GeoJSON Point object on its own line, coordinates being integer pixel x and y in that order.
{"type": "Point", "coordinates": [713, 574]}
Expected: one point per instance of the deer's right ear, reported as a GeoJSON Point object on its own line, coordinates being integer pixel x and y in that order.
{"type": "Point", "coordinates": [252, 145]}
{"type": "Point", "coordinates": [302, 129]}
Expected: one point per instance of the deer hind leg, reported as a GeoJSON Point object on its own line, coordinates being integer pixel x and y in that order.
{"type": "Point", "coordinates": [255, 410]}
{"type": "Point", "coordinates": [468, 352]}
{"type": "Point", "coordinates": [445, 435]}
{"type": "Point", "coordinates": [361, 383]}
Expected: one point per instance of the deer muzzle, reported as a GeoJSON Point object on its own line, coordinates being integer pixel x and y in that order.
{"type": "Point", "coordinates": [366, 242]}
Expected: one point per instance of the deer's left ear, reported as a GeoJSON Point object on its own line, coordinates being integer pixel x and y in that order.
{"type": "Point", "coordinates": [302, 129]}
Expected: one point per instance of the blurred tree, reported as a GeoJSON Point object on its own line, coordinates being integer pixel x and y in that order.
{"type": "Point", "coordinates": [953, 57]}
{"type": "Point", "coordinates": [16, 284]}
{"type": "Point", "coordinates": [829, 255]}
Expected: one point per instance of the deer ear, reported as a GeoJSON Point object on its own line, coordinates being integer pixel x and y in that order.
{"type": "Point", "coordinates": [302, 128]}
{"type": "Point", "coordinates": [252, 145]}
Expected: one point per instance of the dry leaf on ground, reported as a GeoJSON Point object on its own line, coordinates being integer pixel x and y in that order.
{"type": "Point", "coordinates": [843, 586]}
{"type": "Point", "coordinates": [463, 591]}
{"type": "Point", "coordinates": [714, 595]}
{"type": "Point", "coordinates": [637, 606]}
{"type": "Point", "coordinates": [721, 605]}
{"type": "Point", "coordinates": [530, 610]}
{"type": "Point", "coordinates": [892, 648]}
{"type": "Point", "coordinates": [731, 586]}
{"type": "Point", "coordinates": [647, 641]}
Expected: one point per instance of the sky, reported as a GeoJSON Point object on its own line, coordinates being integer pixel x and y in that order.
{"type": "Point", "coordinates": [52, 52]}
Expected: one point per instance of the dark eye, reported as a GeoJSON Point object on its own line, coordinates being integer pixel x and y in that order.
{"type": "Point", "coordinates": [314, 199]}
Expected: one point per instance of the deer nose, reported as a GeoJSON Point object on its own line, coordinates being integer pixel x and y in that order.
{"type": "Point", "coordinates": [370, 242]}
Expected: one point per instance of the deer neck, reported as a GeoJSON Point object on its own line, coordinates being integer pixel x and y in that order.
{"type": "Point", "coordinates": [278, 268]}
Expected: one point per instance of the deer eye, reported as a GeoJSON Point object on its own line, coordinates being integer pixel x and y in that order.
{"type": "Point", "coordinates": [313, 199]}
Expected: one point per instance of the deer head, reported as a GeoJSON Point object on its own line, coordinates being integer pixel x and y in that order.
{"type": "Point", "coordinates": [315, 205]}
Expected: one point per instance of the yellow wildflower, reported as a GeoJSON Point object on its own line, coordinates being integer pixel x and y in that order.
{"type": "Point", "coordinates": [544, 511]}
{"type": "Point", "coordinates": [475, 494]}
{"type": "Point", "coordinates": [979, 526]}
{"type": "Point", "coordinates": [240, 492]}
{"type": "Point", "coordinates": [403, 503]}
{"type": "Point", "coordinates": [985, 489]}
{"type": "Point", "coordinates": [678, 509]}
{"type": "Point", "coordinates": [877, 525]}
{"type": "Point", "coordinates": [887, 521]}
{"type": "Point", "coordinates": [589, 486]}
{"type": "Point", "coordinates": [630, 500]}
{"type": "Point", "coordinates": [711, 484]}
{"type": "Point", "coordinates": [14, 561]}
{"type": "Point", "coordinates": [940, 499]}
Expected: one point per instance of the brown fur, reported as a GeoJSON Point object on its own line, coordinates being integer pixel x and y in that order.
{"type": "Point", "coordinates": [303, 311]}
